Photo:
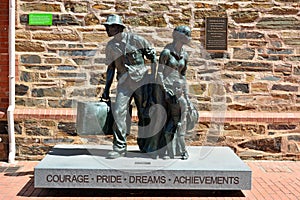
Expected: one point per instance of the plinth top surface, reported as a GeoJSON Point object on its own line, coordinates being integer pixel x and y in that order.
{"type": "Point", "coordinates": [94, 157]}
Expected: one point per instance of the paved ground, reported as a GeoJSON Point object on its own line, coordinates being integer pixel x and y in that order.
{"type": "Point", "coordinates": [272, 180]}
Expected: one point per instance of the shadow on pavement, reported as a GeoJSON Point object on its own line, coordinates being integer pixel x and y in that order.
{"type": "Point", "coordinates": [29, 191]}
{"type": "Point", "coordinates": [19, 173]}
{"type": "Point", "coordinates": [9, 169]}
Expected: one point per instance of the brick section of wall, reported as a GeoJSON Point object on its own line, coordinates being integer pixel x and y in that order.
{"type": "Point", "coordinates": [70, 114]}
{"type": "Point", "coordinates": [4, 57]}
{"type": "Point", "coordinates": [261, 135]}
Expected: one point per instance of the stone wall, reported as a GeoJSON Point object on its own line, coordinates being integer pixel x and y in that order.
{"type": "Point", "coordinates": [259, 73]}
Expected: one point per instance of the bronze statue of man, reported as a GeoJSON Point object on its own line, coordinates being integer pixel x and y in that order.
{"type": "Point", "coordinates": [125, 55]}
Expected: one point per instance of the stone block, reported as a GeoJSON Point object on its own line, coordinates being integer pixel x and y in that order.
{"type": "Point", "coordinates": [122, 6]}
{"type": "Point", "coordinates": [147, 20]}
{"type": "Point", "coordinates": [272, 145]}
{"type": "Point", "coordinates": [239, 107]}
{"type": "Point", "coordinates": [283, 11]}
{"type": "Point", "coordinates": [201, 14]}
{"type": "Point", "coordinates": [159, 6]}
{"type": "Point", "coordinates": [67, 127]}
{"type": "Point", "coordinates": [23, 35]}
{"type": "Point", "coordinates": [282, 126]}
{"type": "Point", "coordinates": [44, 7]}
{"type": "Point", "coordinates": [244, 54]}
{"type": "Point", "coordinates": [76, 7]}
{"type": "Point", "coordinates": [53, 60]}
{"type": "Point", "coordinates": [64, 103]}
{"type": "Point", "coordinates": [38, 131]}
{"type": "Point", "coordinates": [66, 19]}
{"type": "Point", "coordinates": [248, 66]}
{"type": "Point", "coordinates": [241, 87]}
{"type": "Point", "coordinates": [33, 149]}
{"type": "Point", "coordinates": [292, 41]}
{"type": "Point", "coordinates": [286, 88]}
{"type": "Point", "coordinates": [48, 92]}
{"type": "Point", "coordinates": [260, 5]}
{"type": "Point", "coordinates": [91, 20]}
{"type": "Point", "coordinates": [55, 36]}
{"type": "Point", "coordinates": [21, 89]}
{"type": "Point", "coordinates": [85, 166]}
{"type": "Point", "coordinates": [29, 76]}
{"type": "Point", "coordinates": [94, 37]}
{"type": "Point", "coordinates": [27, 46]}
{"type": "Point", "coordinates": [280, 51]}
{"type": "Point", "coordinates": [245, 16]}
{"type": "Point", "coordinates": [279, 23]}
{"type": "Point", "coordinates": [102, 6]}
{"type": "Point", "coordinates": [30, 59]}
{"type": "Point", "coordinates": [259, 87]}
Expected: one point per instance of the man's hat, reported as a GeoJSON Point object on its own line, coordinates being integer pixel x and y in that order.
{"type": "Point", "coordinates": [114, 19]}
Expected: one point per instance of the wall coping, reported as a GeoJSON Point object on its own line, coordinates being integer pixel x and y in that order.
{"type": "Point", "coordinates": [229, 116]}
{"type": "Point", "coordinates": [40, 113]}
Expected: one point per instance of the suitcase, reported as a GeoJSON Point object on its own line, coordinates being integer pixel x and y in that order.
{"type": "Point", "coordinates": [94, 118]}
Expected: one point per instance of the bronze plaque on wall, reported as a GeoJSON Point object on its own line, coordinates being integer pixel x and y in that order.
{"type": "Point", "coordinates": [216, 31]}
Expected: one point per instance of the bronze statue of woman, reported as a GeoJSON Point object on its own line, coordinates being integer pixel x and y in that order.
{"type": "Point", "coordinates": [171, 76]}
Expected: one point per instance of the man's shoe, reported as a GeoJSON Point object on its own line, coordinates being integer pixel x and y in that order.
{"type": "Point", "coordinates": [116, 154]}
{"type": "Point", "coordinates": [166, 157]}
{"type": "Point", "coordinates": [184, 155]}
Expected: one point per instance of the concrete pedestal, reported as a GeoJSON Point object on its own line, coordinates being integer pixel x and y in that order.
{"type": "Point", "coordinates": [86, 166]}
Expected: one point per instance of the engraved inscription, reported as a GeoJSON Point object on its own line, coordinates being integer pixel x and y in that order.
{"type": "Point", "coordinates": [147, 179]}
{"type": "Point", "coordinates": [216, 33]}
{"type": "Point", "coordinates": [67, 178]}
{"type": "Point", "coordinates": [109, 179]}
{"type": "Point", "coordinates": [141, 179]}
{"type": "Point", "coordinates": [209, 180]}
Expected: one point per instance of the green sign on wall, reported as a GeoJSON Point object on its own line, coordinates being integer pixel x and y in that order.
{"type": "Point", "coordinates": [40, 19]}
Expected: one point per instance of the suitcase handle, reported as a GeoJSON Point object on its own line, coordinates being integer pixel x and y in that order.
{"type": "Point", "coordinates": [104, 100]}
{"type": "Point", "coordinates": [108, 102]}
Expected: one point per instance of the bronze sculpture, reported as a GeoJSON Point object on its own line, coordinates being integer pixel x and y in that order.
{"type": "Point", "coordinates": [126, 53]}
{"type": "Point", "coordinates": [171, 75]}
